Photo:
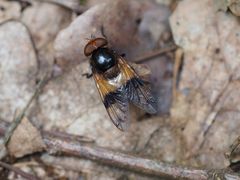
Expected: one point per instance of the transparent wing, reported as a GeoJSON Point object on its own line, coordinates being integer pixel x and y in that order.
{"type": "Point", "coordinates": [115, 102]}
{"type": "Point", "coordinates": [117, 107]}
{"type": "Point", "coordinates": [138, 91]}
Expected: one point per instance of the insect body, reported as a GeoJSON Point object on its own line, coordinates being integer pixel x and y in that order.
{"type": "Point", "coordinates": [117, 83]}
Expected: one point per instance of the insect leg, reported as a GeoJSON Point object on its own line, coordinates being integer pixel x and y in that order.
{"type": "Point", "coordinates": [87, 75]}
{"type": "Point", "coordinates": [103, 31]}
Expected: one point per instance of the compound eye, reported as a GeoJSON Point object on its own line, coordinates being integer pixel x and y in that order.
{"type": "Point", "coordinates": [93, 45]}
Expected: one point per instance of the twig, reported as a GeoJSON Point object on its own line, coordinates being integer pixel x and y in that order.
{"type": "Point", "coordinates": [68, 137]}
{"type": "Point", "coordinates": [155, 53]}
{"type": "Point", "coordinates": [60, 144]}
{"type": "Point", "coordinates": [18, 171]}
{"type": "Point", "coordinates": [118, 159]}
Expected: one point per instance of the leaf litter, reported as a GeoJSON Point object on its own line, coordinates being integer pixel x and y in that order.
{"type": "Point", "coordinates": [194, 127]}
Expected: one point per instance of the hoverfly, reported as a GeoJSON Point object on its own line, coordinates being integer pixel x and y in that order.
{"type": "Point", "coordinates": [117, 83]}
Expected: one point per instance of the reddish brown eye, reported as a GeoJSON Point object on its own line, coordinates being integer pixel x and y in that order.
{"type": "Point", "coordinates": [93, 45]}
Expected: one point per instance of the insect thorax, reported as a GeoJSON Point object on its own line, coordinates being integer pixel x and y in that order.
{"type": "Point", "coordinates": [103, 59]}
{"type": "Point", "coordinates": [112, 72]}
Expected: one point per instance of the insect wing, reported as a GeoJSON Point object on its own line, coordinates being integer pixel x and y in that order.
{"type": "Point", "coordinates": [138, 90]}
{"type": "Point", "coordinates": [115, 101]}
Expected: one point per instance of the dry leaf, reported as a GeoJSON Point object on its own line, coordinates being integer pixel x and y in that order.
{"type": "Point", "coordinates": [26, 139]}
{"type": "Point", "coordinates": [70, 42]}
{"type": "Point", "coordinates": [45, 20]}
{"type": "Point", "coordinates": [18, 67]}
{"type": "Point", "coordinates": [209, 80]}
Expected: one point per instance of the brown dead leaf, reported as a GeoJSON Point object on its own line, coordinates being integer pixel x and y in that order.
{"type": "Point", "coordinates": [70, 42]}
{"type": "Point", "coordinates": [209, 80]}
{"type": "Point", "coordinates": [18, 67]}
{"type": "Point", "coordinates": [26, 139]}
{"type": "Point", "coordinates": [45, 20]}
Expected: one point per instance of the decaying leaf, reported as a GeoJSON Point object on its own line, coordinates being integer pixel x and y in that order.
{"type": "Point", "coordinates": [26, 139]}
{"type": "Point", "coordinates": [18, 65]}
{"type": "Point", "coordinates": [70, 42]}
{"type": "Point", "coordinates": [45, 20]}
{"type": "Point", "coordinates": [209, 80]}
{"type": "Point", "coordinates": [204, 117]}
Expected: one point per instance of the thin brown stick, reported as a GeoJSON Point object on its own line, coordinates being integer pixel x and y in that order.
{"type": "Point", "coordinates": [67, 137]}
{"type": "Point", "coordinates": [70, 146]}
{"type": "Point", "coordinates": [153, 54]}
{"type": "Point", "coordinates": [122, 160]}
{"type": "Point", "coordinates": [18, 171]}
